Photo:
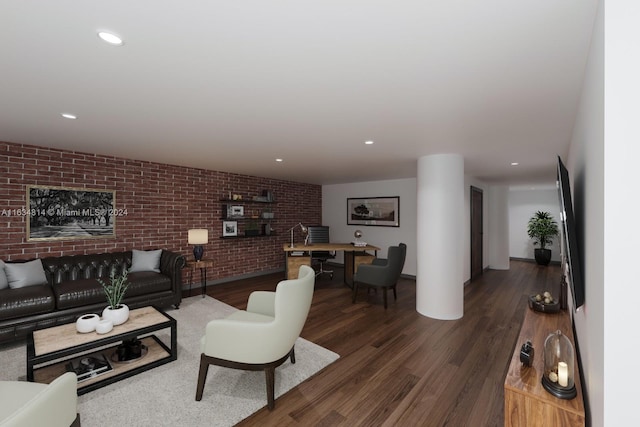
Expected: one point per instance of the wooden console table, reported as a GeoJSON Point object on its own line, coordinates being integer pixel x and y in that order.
{"type": "Point", "coordinates": [526, 402]}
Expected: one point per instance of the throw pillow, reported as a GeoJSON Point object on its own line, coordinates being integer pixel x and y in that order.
{"type": "Point", "coordinates": [4, 283]}
{"type": "Point", "coordinates": [23, 274]}
{"type": "Point", "coordinates": [145, 261]}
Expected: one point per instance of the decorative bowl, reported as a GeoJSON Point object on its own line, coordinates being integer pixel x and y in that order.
{"type": "Point", "coordinates": [87, 323]}
{"type": "Point", "coordinates": [540, 306]}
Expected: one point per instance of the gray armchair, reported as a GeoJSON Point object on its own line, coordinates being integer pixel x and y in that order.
{"type": "Point", "coordinates": [381, 273]}
{"type": "Point", "coordinates": [261, 337]}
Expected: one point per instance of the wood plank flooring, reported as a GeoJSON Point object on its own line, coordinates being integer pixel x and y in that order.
{"type": "Point", "coordinates": [398, 368]}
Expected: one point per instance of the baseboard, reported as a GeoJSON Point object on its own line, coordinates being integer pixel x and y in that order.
{"type": "Point", "coordinates": [531, 260]}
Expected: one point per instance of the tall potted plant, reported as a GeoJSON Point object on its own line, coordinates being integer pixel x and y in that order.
{"type": "Point", "coordinates": [115, 311]}
{"type": "Point", "coordinates": [542, 227]}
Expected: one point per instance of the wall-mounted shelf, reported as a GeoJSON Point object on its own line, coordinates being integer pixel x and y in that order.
{"type": "Point", "coordinates": [240, 211]}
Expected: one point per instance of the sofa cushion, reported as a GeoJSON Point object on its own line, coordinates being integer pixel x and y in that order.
{"type": "Point", "coordinates": [76, 293]}
{"type": "Point", "coordinates": [26, 301]}
{"type": "Point", "coordinates": [4, 283]}
{"type": "Point", "coordinates": [23, 274]}
{"type": "Point", "coordinates": [145, 260]}
{"type": "Point", "coordinates": [146, 282]}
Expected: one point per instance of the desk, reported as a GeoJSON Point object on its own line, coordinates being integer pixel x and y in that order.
{"type": "Point", "coordinates": [353, 256]}
{"type": "Point", "coordinates": [203, 264]}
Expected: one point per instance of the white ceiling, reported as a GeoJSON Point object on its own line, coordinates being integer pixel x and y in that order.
{"type": "Point", "coordinates": [231, 85]}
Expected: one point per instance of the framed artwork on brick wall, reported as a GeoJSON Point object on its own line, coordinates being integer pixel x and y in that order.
{"type": "Point", "coordinates": [380, 211]}
{"type": "Point", "coordinates": [60, 213]}
{"type": "Point", "coordinates": [229, 228]}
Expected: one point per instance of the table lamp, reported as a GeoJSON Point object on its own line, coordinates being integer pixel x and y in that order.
{"type": "Point", "coordinates": [302, 227]}
{"type": "Point", "coordinates": [198, 237]}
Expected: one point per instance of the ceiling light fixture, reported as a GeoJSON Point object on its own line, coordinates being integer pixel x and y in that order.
{"type": "Point", "coordinates": [368, 142]}
{"type": "Point", "coordinates": [514, 163]}
{"type": "Point", "coordinates": [69, 116]}
{"type": "Point", "coordinates": [110, 38]}
{"type": "Point", "coordinates": [279, 160]}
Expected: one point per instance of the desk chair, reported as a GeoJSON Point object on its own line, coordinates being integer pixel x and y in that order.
{"type": "Point", "coordinates": [320, 234]}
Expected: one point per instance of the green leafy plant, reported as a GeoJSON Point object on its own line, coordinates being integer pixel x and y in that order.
{"type": "Point", "coordinates": [116, 288]}
{"type": "Point", "coordinates": [542, 227]}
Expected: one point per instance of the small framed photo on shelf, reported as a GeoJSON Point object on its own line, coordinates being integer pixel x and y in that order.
{"type": "Point", "coordinates": [235, 211]}
{"type": "Point", "coordinates": [229, 228]}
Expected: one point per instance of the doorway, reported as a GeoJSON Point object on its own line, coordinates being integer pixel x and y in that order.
{"type": "Point", "coordinates": [476, 232]}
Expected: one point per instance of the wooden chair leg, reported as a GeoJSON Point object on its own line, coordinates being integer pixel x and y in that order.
{"type": "Point", "coordinates": [292, 355]}
{"type": "Point", "coordinates": [395, 297]}
{"type": "Point", "coordinates": [202, 376]}
{"type": "Point", "coordinates": [270, 373]}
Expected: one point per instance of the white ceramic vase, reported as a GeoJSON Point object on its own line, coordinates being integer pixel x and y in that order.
{"type": "Point", "coordinates": [87, 323]}
{"type": "Point", "coordinates": [117, 316]}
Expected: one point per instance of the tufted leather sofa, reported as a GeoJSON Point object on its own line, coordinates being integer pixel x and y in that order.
{"type": "Point", "coordinates": [73, 290]}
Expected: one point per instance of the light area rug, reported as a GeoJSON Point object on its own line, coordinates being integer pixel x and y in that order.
{"type": "Point", "coordinates": [165, 396]}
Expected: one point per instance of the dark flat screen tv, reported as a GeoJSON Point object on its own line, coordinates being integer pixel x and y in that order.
{"type": "Point", "coordinates": [571, 265]}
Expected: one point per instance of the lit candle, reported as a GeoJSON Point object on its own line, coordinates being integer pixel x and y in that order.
{"type": "Point", "coordinates": [563, 374]}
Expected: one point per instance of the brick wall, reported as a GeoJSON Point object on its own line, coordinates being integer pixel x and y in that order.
{"type": "Point", "coordinates": [162, 202]}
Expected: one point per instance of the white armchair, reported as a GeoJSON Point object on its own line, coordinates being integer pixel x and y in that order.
{"type": "Point", "coordinates": [263, 336]}
{"type": "Point", "coordinates": [27, 404]}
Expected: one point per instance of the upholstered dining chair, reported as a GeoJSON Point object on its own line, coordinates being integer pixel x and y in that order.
{"type": "Point", "coordinates": [27, 404]}
{"type": "Point", "coordinates": [381, 273]}
{"type": "Point", "coordinates": [262, 337]}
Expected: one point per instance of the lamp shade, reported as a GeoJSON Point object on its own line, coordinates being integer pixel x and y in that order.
{"type": "Point", "coordinates": [198, 236]}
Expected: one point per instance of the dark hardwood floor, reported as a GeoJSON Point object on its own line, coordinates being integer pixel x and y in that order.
{"type": "Point", "coordinates": [397, 367]}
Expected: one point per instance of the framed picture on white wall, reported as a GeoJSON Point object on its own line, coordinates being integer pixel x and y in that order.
{"type": "Point", "coordinates": [375, 211]}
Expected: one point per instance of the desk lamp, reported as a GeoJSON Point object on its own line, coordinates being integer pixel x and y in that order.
{"type": "Point", "coordinates": [302, 227]}
{"type": "Point", "coordinates": [198, 237]}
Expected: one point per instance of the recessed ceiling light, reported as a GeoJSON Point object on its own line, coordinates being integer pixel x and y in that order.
{"type": "Point", "coordinates": [514, 163]}
{"type": "Point", "coordinates": [110, 38]}
{"type": "Point", "coordinates": [69, 116]}
{"type": "Point", "coordinates": [279, 160]}
{"type": "Point", "coordinates": [368, 142]}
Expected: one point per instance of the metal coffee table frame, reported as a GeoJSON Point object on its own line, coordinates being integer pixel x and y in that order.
{"type": "Point", "coordinates": [97, 342]}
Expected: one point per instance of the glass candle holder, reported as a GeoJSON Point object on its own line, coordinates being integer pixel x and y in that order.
{"type": "Point", "coordinates": [559, 368]}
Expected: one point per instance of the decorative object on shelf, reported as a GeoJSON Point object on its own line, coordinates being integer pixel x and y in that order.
{"type": "Point", "coordinates": [117, 312]}
{"type": "Point", "coordinates": [252, 229]}
{"type": "Point", "coordinates": [104, 326]}
{"type": "Point", "coordinates": [380, 211]}
{"type": "Point", "coordinates": [358, 243]}
{"type": "Point", "coordinates": [87, 323]}
{"type": "Point", "coordinates": [544, 303]}
{"type": "Point", "coordinates": [229, 228]}
{"type": "Point", "coordinates": [129, 350]}
{"type": "Point", "coordinates": [542, 227]}
{"type": "Point", "coordinates": [558, 375]}
{"type": "Point", "coordinates": [304, 231]}
{"type": "Point", "coordinates": [526, 354]}
{"type": "Point", "coordinates": [198, 237]}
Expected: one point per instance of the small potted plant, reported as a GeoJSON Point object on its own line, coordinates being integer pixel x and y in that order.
{"type": "Point", "coordinates": [116, 311]}
{"type": "Point", "coordinates": [542, 227]}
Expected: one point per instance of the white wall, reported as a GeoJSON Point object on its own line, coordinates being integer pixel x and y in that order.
{"type": "Point", "coordinates": [334, 214]}
{"type": "Point", "coordinates": [614, 211]}
{"type": "Point", "coordinates": [523, 203]}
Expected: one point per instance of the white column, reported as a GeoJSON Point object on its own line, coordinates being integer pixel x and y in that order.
{"type": "Point", "coordinates": [439, 278]}
{"type": "Point", "coordinates": [499, 227]}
